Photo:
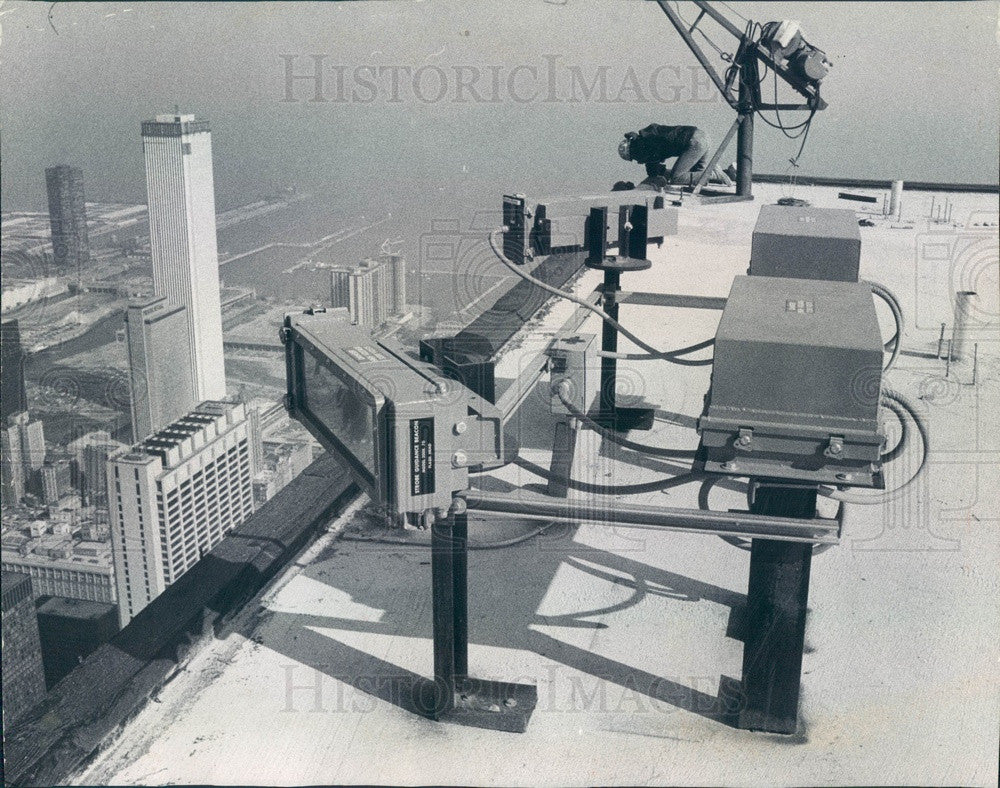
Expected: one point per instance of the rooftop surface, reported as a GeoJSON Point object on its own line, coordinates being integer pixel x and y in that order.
{"type": "Point", "coordinates": [629, 634]}
{"type": "Point", "coordinates": [75, 608]}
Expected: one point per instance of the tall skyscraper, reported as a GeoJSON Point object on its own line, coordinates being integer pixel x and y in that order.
{"type": "Point", "coordinates": [23, 455]}
{"type": "Point", "coordinates": [13, 396]}
{"type": "Point", "coordinates": [54, 480]}
{"type": "Point", "coordinates": [181, 197]}
{"type": "Point", "coordinates": [90, 456]}
{"type": "Point", "coordinates": [174, 496]}
{"type": "Point", "coordinates": [68, 218]}
{"type": "Point", "coordinates": [23, 676]}
{"type": "Point", "coordinates": [161, 378]}
{"type": "Point", "coordinates": [13, 479]}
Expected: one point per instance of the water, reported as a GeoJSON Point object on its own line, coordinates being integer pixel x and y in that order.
{"type": "Point", "coordinates": [449, 262]}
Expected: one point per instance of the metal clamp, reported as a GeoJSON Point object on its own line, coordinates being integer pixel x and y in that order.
{"type": "Point", "coordinates": [835, 447]}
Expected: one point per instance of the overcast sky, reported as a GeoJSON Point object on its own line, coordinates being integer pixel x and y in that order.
{"type": "Point", "coordinates": [913, 93]}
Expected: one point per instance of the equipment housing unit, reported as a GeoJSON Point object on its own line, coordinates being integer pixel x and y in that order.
{"type": "Point", "coordinates": [796, 383]}
{"type": "Point", "coordinates": [395, 422]}
{"type": "Point", "coordinates": [806, 243]}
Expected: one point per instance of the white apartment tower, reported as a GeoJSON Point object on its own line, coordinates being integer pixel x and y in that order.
{"type": "Point", "coordinates": [376, 290]}
{"type": "Point", "coordinates": [181, 197]}
{"type": "Point", "coordinates": [173, 496]}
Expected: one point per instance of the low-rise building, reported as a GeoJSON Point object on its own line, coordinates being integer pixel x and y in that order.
{"type": "Point", "coordinates": [58, 570]}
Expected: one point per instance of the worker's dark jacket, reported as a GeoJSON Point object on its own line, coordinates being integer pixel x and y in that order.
{"type": "Point", "coordinates": [656, 143]}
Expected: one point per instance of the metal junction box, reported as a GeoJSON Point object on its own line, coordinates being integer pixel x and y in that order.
{"type": "Point", "coordinates": [796, 383]}
{"type": "Point", "coordinates": [806, 243]}
{"type": "Point", "coordinates": [573, 361]}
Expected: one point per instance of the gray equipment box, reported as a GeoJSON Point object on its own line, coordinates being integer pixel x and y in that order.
{"type": "Point", "coordinates": [796, 383]}
{"type": "Point", "coordinates": [806, 243]}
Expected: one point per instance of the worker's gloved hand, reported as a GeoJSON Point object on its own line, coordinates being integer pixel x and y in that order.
{"type": "Point", "coordinates": [658, 182]}
{"type": "Point", "coordinates": [656, 170]}
{"type": "Point", "coordinates": [622, 186]}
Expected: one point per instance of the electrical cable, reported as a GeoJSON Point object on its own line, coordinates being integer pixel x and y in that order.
{"type": "Point", "coordinates": [614, 437]}
{"type": "Point", "coordinates": [889, 495]}
{"type": "Point", "coordinates": [896, 450]}
{"type": "Point", "coordinates": [753, 35]}
{"type": "Point", "coordinates": [610, 489]}
{"type": "Point", "coordinates": [734, 11]}
{"type": "Point", "coordinates": [897, 313]}
{"type": "Point", "coordinates": [726, 56]}
{"type": "Point", "coordinates": [470, 544]}
{"type": "Point", "coordinates": [665, 355]}
{"type": "Point", "coordinates": [704, 362]}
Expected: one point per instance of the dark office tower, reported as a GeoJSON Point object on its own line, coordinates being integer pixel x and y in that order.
{"type": "Point", "coordinates": [23, 676]}
{"type": "Point", "coordinates": [13, 397]}
{"type": "Point", "coordinates": [68, 218]}
{"type": "Point", "coordinates": [71, 630]}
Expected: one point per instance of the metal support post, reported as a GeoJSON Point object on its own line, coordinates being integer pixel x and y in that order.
{"type": "Point", "coordinates": [632, 238]}
{"type": "Point", "coordinates": [563, 449]}
{"type": "Point", "coordinates": [965, 309]}
{"type": "Point", "coordinates": [777, 596]}
{"type": "Point", "coordinates": [609, 344]}
{"type": "Point", "coordinates": [496, 705]}
{"type": "Point", "coordinates": [744, 137]}
{"type": "Point", "coordinates": [450, 617]}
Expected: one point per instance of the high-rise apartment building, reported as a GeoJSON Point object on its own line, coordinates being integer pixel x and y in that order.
{"type": "Point", "coordinates": [13, 395]}
{"type": "Point", "coordinates": [377, 290]}
{"type": "Point", "coordinates": [398, 265]}
{"type": "Point", "coordinates": [68, 218]}
{"type": "Point", "coordinates": [173, 496]}
{"type": "Point", "coordinates": [180, 192]}
{"type": "Point", "coordinates": [340, 288]}
{"type": "Point", "coordinates": [23, 675]}
{"type": "Point", "coordinates": [161, 378]}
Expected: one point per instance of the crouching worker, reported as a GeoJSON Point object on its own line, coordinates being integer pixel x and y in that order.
{"type": "Point", "coordinates": [655, 144]}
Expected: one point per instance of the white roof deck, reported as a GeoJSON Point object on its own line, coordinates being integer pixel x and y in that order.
{"type": "Point", "coordinates": [625, 632]}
